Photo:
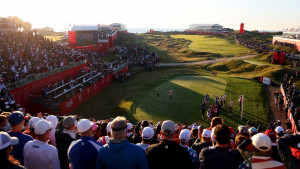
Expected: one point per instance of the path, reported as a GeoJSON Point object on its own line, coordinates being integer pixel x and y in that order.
{"type": "Point", "coordinates": [274, 114]}
{"type": "Point", "coordinates": [203, 62]}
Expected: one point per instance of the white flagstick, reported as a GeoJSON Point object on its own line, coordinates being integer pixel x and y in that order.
{"type": "Point", "coordinates": [242, 108]}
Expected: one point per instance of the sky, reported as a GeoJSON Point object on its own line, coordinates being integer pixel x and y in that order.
{"type": "Point", "coordinates": [60, 14]}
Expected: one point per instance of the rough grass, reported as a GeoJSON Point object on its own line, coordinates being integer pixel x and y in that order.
{"type": "Point", "coordinates": [187, 48]}
{"type": "Point", "coordinates": [246, 68]}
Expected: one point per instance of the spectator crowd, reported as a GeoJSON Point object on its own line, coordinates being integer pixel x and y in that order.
{"type": "Point", "coordinates": [292, 102]}
{"type": "Point", "coordinates": [48, 141]}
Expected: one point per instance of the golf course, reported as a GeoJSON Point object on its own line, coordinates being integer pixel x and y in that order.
{"type": "Point", "coordinates": [145, 95]}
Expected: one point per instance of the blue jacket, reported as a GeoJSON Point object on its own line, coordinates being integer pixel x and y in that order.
{"type": "Point", "coordinates": [83, 153]}
{"type": "Point", "coordinates": [18, 149]}
{"type": "Point", "coordinates": [122, 155]}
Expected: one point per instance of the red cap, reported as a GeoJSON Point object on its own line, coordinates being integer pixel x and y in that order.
{"type": "Point", "coordinates": [270, 133]}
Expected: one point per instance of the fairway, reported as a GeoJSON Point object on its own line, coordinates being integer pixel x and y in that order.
{"type": "Point", "coordinates": [214, 45]}
{"type": "Point", "coordinates": [189, 94]}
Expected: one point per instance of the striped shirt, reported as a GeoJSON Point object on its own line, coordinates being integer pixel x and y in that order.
{"type": "Point", "coordinates": [260, 162]}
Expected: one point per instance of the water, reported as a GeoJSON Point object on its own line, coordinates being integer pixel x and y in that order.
{"type": "Point", "coordinates": [145, 30]}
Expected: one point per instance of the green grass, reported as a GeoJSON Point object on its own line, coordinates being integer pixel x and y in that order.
{"type": "Point", "coordinates": [188, 96]}
{"type": "Point", "coordinates": [220, 47]}
{"type": "Point", "coordinates": [187, 48]}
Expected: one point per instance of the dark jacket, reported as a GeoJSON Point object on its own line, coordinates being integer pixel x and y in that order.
{"type": "Point", "coordinates": [283, 145]}
{"type": "Point", "coordinates": [218, 158]}
{"type": "Point", "coordinates": [168, 154]}
{"type": "Point", "coordinates": [63, 141]}
{"type": "Point", "coordinates": [199, 146]}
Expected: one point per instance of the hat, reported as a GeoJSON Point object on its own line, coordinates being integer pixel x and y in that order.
{"type": "Point", "coordinates": [108, 127]}
{"type": "Point", "coordinates": [6, 140]}
{"type": "Point", "coordinates": [243, 130]}
{"type": "Point", "coordinates": [270, 133]}
{"type": "Point", "coordinates": [261, 142]}
{"type": "Point", "coordinates": [84, 125]}
{"type": "Point", "coordinates": [252, 130]}
{"type": "Point", "coordinates": [68, 121]}
{"type": "Point", "coordinates": [185, 135]}
{"type": "Point", "coordinates": [148, 133]}
{"type": "Point", "coordinates": [42, 126]}
{"type": "Point", "coordinates": [129, 126]}
{"type": "Point", "coordinates": [279, 130]}
{"type": "Point", "coordinates": [53, 119]}
{"type": "Point", "coordinates": [206, 133]}
{"type": "Point", "coordinates": [168, 125]}
{"type": "Point", "coordinates": [199, 127]}
{"type": "Point", "coordinates": [145, 123]}
{"type": "Point", "coordinates": [15, 118]}
{"type": "Point", "coordinates": [33, 121]}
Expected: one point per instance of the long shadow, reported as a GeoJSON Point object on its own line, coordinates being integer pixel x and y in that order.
{"type": "Point", "coordinates": [186, 105]}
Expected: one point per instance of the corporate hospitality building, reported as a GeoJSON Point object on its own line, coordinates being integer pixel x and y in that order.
{"type": "Point", "coordinates": [205, 27]}
{"type": "Point", "coordinates": [289, 36]}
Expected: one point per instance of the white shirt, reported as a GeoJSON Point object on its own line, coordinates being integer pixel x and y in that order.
{"type": "Point", "coordinates": [38, 154]}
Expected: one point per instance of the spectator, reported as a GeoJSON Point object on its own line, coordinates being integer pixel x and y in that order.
{"type": "Point", "coordinates": [168, 150]}
{"type": "Point", "coordinates": [63, 140]}
{"type": "Point", "coordinates": [243, 130]}
{"type": "Point", "coordinates": [194, 137]}
{"type": "Point", "coordinates": [238, 141]}
{"type": "Point", "coordinates": [219, 156]}
{"type": "Point", "coordinates": [7, 160]}
{"type": "Point", "coordinates": [3, 121]}
{"type": "Point", "coordinates": [205, 141]}
{"type": "Point", "coordinates": [272, 136]}
{"type": "Point", "coordinates": [262, 152]}
{"type": "Point", "coordinates": [119, 153]}
{"type": "Point", "coordinates": [129, 130]}
{"type": "Point", "coordinates": [83, 152]}
{"type": "Point", "coordinates": [104, 139]}
{"type": "Point", "coordinates": [137, 135]}
{"type": "Point", "coordinates": [16, 120]}
{"type": "Point", "coordinates": [252, 131]}
{"type": "Point", "coordinates": [214, 122]}
{"type": "Point", "coordinates": [147, 137]}
{"type": "Point", "coordinates": [185, 136]}
{"type": "Point", "coordinates": [288, 146]}
{"type": "Point", "coordinates": [38, 153]}
{"type": "Point", "coordinates": [32, 123]}
{"type": "Point", "coordinates": [53, 120]}
{"type": "Point", "coordinates": [279, 131]}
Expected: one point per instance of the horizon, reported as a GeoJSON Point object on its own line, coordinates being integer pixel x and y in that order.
{"type": "Point", "coordinates": [267, 15]}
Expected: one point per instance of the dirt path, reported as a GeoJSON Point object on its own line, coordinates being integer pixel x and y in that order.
{"type": "Point", "coordinates": [203, 62]}
{"type": "Point", "coordinates": [274, 113]}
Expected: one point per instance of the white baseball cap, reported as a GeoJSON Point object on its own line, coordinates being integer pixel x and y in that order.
{"type": "Point", "coordinates": [185, 135]}
{"type": "Point", "coordinates": [32, 122]}
{"type": "Point", "coordinates": [206, 133]}
{"type": "Point", "coordinates": [148, 133]}
{"type": "Point", "coordinates": [84, 125]}
{"type": "Point", "coordinates": [279, 129]}
{"type": "Point", "coordinates": [6, 140]}
{"type": "Point", "coordinates": [261, 142]}
{"type": "Point", "coordinates": [42, 126]}
{"type": "Point", "coordinates": [108, 127]}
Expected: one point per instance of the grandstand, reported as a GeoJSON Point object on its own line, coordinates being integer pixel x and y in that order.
{"type": "Point", "coordinates": [97, 38]}
{"type": "Point", "coordinates": [7, 25]}
{"type": "Point", "coordinates": [291, 36]}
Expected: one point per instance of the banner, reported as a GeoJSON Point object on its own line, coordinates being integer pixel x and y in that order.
{"type": "Point", "coordinates": [266, 81]}
{"type": "Point", "coordinates": [21, 94]}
